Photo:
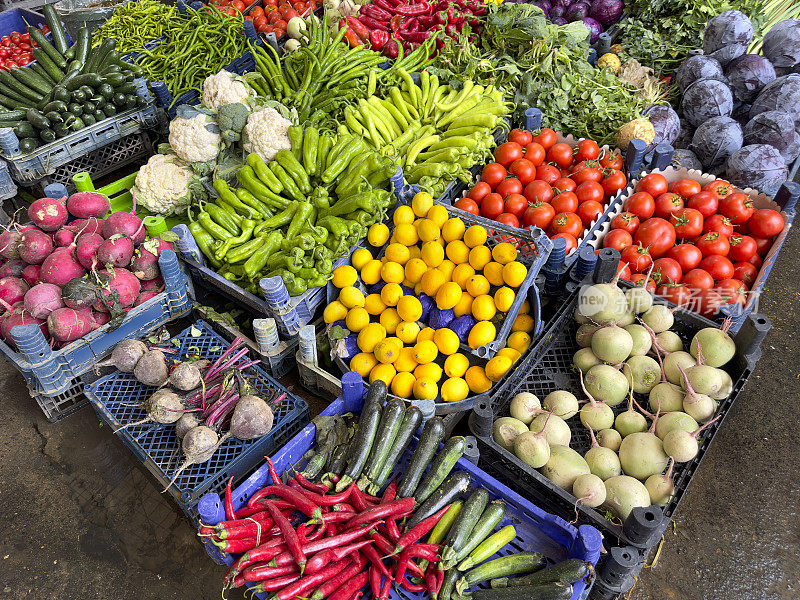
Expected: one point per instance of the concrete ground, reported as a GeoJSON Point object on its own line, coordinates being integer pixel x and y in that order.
{"type": "Point", "coordinates": [80, 518]}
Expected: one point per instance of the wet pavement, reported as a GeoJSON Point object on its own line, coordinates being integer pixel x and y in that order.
{"type": "Point", "coordinates": [80, 518]}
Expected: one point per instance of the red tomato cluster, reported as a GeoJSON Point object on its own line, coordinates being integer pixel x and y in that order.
{"type": "Point", "coordinates": [15, 49]}
{"type": "Point", "coordinates": [538, 181]}
{"type": "Point", "coordinates": [273, 16]}
{"type": "Point", "coordinates": [704, 245]}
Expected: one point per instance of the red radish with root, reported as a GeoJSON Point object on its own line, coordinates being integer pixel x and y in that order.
{"type": "Point", "coordinates": [68, 324]}
{"type": "Point", "coordinates": [252, 417]}
{"type": "Point", "coordinates": [145, 265]}
{"type": "Point", "coordinates": [79, 294]}
{"type": "Point", "coordinates": [87, 248]}
{"type": "Point", "coordinates": [9, 244]}
{"type": "Point", "coordinates": [35, 246]}
{"type": "Point", "coordinates": [117, 284]}
{"type": "Point", "coordinates": [682, 445]}
{"type": "Point", "coordinates": [88, 204]}
{"type": "Point", "coordinates": [144, 296]}
{"type": "Point", "coordinates": [61, 267]}
{"type": "Point", "coordinates": [12, 268]}
{"type": "Point", "coordinates": [31, 274]}
{"type": "Point", "coordinates": [116, 251]}
{"type": "Point", "coordinates": [125, 355]}
{"type": "Point", "coordinates": [153, 285]}
{"type": "Point", "coordinates": [49, 214]}
{"type": "Point", "coordinates": [661, 487]}
{"type": "Point", "coordinates": [42, 299]}
{"type": "Point", "coordinates": [86, 226]}
{"type": "Point", "coordinates": [101, 318]}
{"type": "Point", "coordinates": [19, 316]}
{"type": "Point", "coordinates": [64, 237]}
{"type": "Point", "coordinates": [125, 223]}
{"type": "Point", "coordinates": [12, 290]}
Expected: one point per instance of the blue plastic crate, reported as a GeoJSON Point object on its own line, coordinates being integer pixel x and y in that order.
{"type": "Point", "coordinates": [7, 187]}
{"type": "Point", "coordinates": [52, 372]}
{"type": "Point", "coordinates": [114, 398]}
{"type": "Point", "coordinates": [536, 529]}
{"type": "Point", "coordinates": [17, 19]}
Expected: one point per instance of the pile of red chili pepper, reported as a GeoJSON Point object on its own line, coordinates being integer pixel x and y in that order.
{"type": "Point", "coordinates": [388, 24]}
{"type": "Point", "coordinates": [300, 540]}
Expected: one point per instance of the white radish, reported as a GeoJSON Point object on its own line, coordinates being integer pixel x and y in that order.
{"type": "Point", "coordinates": [682, 445]}
{"type": "Point", "coordinates": [673, 363]}
{"type": "Point", "coordinates": [602, 303]}
{"type": "Point", "coordinates": [198, 445]}
{"type": "Point", "coordinates": [698, 406]}
{"type": "Point", "coordinates": [623, 494]}
{"type": "Point", "coordinates": [584, 359]}
{"type": "Point", "coordinates": [532, 448]}
{"type": "Point", "coordinates": [642, 454]}
{"type": "Point", "coordinates": [675, 420]}
{"type": "Point", "coordinates": [163, 407]}
{"type": "Point", "coordinates": [669, 341]}
{"type": "Point", "coordinates": [603, 462]}
{"type": "Point", "coordinates": [589, 490]}
{"type": "Point", "coordinates": [562, 403]}
{"type": "Point", "coordinates": [525, 406]}
{"type": "Point", "coordinates": [639, 300]}
{"type": "Point", "coordinates": [630, 421]}
{"type": "Point", "coordinates": [606, 384]}
{"type": "Point", "coordinates": [506, 429]}
{"type": "Point", "coordinates": [564, 466]}
{"type": "Point", "coordinates": [661, 487]}
{"type": "Point", "coordinates": [659, 318]}
{"type": "Point", "coordinates": [671, 397]}
{"type": "Point", "coordinates": [717, 346]}
{"type": "Point", "coordinates": [612, 344]}
{"type": "Point", "coordinates": [584, 334]}
{"type": "Point", "coordinates": [643, 373]}
{"type": "Point", "coordinates": [594, 414]}
{"type": "Point", "coordinates": [727, 387]}
{"type": "Point", "coordinates": [642, 342]}
{"type": "Point", "coordinates": [554, 428]}
{"type": "Point", "coordinates": [609, 438]}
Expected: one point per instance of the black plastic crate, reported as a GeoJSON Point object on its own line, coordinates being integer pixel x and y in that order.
{"type": "Point", "coordinates": [547, 368]}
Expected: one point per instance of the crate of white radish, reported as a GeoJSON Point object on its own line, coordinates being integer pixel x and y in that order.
{"type": "Point", "coordinates": [119, 400]}
{"type": "Point", "coordinates": [555, 468]}
{"type": "Point", "coordinates": [535, 529]}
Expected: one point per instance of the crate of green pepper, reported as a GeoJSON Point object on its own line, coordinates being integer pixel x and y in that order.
{"type": "Point", "coordinates": [271, 243]}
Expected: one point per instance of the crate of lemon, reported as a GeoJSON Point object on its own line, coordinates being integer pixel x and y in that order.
{"type": "Point", "coordinates": [444, 308]}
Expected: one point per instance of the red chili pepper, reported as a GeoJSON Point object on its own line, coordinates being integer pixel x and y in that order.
{"type": "Point", "coordinates": [345, 591]}
{"type": "Point", "coordinates": [258, 529]}
{"type": "Point", "coordinates": [329, 500]}
{"type": "Point", "coordinates": [273, 585]}
{"type": "Point", "coordinates": [415, 533]}
{"type": "Point", "coordinates": [385, 589]}
{"type": "Point", "coordinates": [375, 558]}
{"type": "Point", "coordinates": [326, 543]}
{"type": "Point", "coordinates": [391, 49]}
{"type": "Point", "coordinates": [411, 587]}
{"type": "Point", "coordinates": [375, 581]}
{"type": "Point", "coordinates": [414, 36]}
{"type": "Point", "coordinates": [317, 488]}
{"type": "Point", "coordinates": [260, 572]}
{"type": "Point", "coordinates": [393, 529]}
{"type": "Point", "coordinates": [361, 31]}
{"type": "Point", "coordinates": [343, 507]}
{"type": "Point", "coordinates": [395, 508]}
{"type": "Point", "coordinates": [261, 516]}
{"type": "Point", "coordinates": [331, 529]}
{"type": "Point", "coordinates": [294, 484]}
{"type": "Point", "coordinates": [273, 473]}
{"type": "Point", "coordinates": [262, 553]}
{"type": "Point", "coordinates": [373, 25]}
{"type": "Point", "coordinates": [381, 541]}
{"type": "Point", "coordinates": [426, 21]}
{"type": "Point", "coordinates": [236, 546]}
{"type": "Point", "coordinates": [339, 516]}
{"type": "Point", "coordinates": [358, 499]}
{"type": "Point", "coordinates": [289, 534]}
{"type": "Point", "coordinates": [350, 35]}
{"type": "Point", "coordinates": [385, 5]}
{"type": "Point", "coordinates": [314, 535]}
{"type": "Point", "coordinates": [396, 22]}
{"type": "Point", "coordinates": [426, 551]}
{"type": "Point", "coordinates": [410, 24]}
{"type": "Point", "coordinates": [479, 12]}
{"type": "Point", "coordinates": [293, 496]}
{"type": "Point", "coordinates": [412, 10]}
{"type": "Point", "coordinates": [390, 493]}
{"type": "Point", "coordinates": [309, 582]}
{"type": "Point", "coordinates": [327, 588]}
{"type": "Point", "coordinates": [374, 11]}
{"type": "Point", "coordinates": [230, 515]}
{"type": "Point", "coordinates": [318, 561]}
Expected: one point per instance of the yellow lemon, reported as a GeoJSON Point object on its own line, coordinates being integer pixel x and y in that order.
{"type": "Point", "coordinates": [371, 272]}
{"type": "Point", "coordinates": [453, 229]}
{"type": "Point", "coordinates": [478, 285]}
{"type": "Point", "coordinates": [447, 267]}
{"type": "Point", "coordinates": [481, 334]}
{"type": "Point", "coordinates": [464, 306]}
{"type": "Point", "coordinates": [525, 308]}
{"type": "Point", "coordinates": [403, 215]}
{"type": "Point", "coordinates": [387, 351]}
{"type": "Point", "coordinates": [519, 341]}
{"type": "Point", "coordinates": [405, 234]}
{"type": "Point", "coordinates": [479, 257]}
{"type": "Point", "coordinates": [523, 323]}
{"type": "Point", "coordinates": [428, 231]}
{"type": "Point", "coordinates": [415, 252]}
{"type": "Point", "coordinates": [494, 273]}
{"type": "Point", "coordinates": [397, 252]}
{"type": "Point", "coordinates": [406, 361]}
{"type": "Point", "coordinates": [514, 273]}
{"type": "Point", "coordinates": [390, 320]}
{"type": "Point", "coordinates": [369, 337]}
{"type": "Point", "coordinates": [344, 276]}
{"type": "Point", "coordinates": [357, 319]}
{"type": "Point", "coordinates": [425, 389]}
{"type": "Point", "coordinates": [432, 253]}
{"type": "Point", "coordinates": [407, 331]}
{"type": "Point", "coordinates": [438, 214]}
{"type": "Point", "coordinates": [418, 288]}
{"type": "Point", "coordinates": [362, 363]}
{"type": "Point", "coordinates": [448, 295]}
{"type": "Point", "coordinates": [446, 341]}
{"type": "Point", "coordinates": [475, 236]}
{"type": "Point", "coordinates": [360, 258]}
{"type": "Point", "coordinates": [403, 385]}
{"type": "Point", "coordinates": [407, 283]}
{"type": "Point", "coordinates": [461, 275]}
{"type": "Point", "coordinates": [335, 311]}
{"type": "Point", "coordinates": [425, 352]}
{"type": "Point", "coordinates": [351, 297]}
{"type": "Point", "coordinates": [483, 308]}
{"type": "Point", "coordinates": [392, 272]}
{"type": "Point", "coordinates": [497, 367]}
{"type": "Point", "coordinates": [378, 235]}
{"type": "Point", "coordinates": [429, 371]}
{"type": "Point", "coordinates": [409, 308]}
{"type": "Point", "coordinates": [426, 335]}
{"type": "Point", "coordinates": [422, 203]}
{"type": "Point", "coordinates": [454, 389]}
{"type": "Point", "coordinates": [415, 269]}
{"type": "Point", "coordinates": [373, 304]}
{"type": "Point", "coordinates": [504, 298]}
{"type": "Point", "coordinates": [432, 280]}
{"type": "Point", "coordinates": [510, 353]}
{"type": "Point", "coordinates": [504, 253]}
{"type": "Point", "coordinates": [477, 381]}
{"type": "Point", "coordinates": [385, 372]}
{"type": "Point", "coordinates": [458, 252]}
{"type": "Point", "coordinates": [391, 293]}
{"type": "Point", "coordinates": [456, 365]}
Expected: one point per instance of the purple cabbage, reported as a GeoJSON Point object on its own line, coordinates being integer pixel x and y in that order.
{"type": "Point", "coordinates": [562, 3]}
{"type": "Point", "coordinates": [560, 21]}
{"type": "Point", "coordinates": [577, 11]}
{"type": "Point", "coordinates": [462, 326]}
{"type": "Point", "coordinates": [715, 140]}
{"type": "Point", "coordinates": [757, 166]}
{"type": "Point", "coordinates": [782, 44]}
{"type": "Point", "coordinates": [698, 67]}
{"type": "Point", "coordinates": [683, 158]}
{"type": "Point", "coordinates": [440, 318]}
{"type": "Point", "coordinates": [729, 28]}
{"type": "Point", "coordinates": [705, 99]}
{"type": "Point", "coordinates": [741, 112]}
{"type": "Point", "coordinates": [427, 304]}
{"type": "Point", "coordinates": [557, 12]}
{"type": "Point", "coordinates": [747, 75]}
{"type": "Point", "coordinates": [606, 12]}
{"type": "Point", "coordinates": [545, 5]}
{"type": "Point", "coordinates": [665, 122]}
{"type": "Point", "coordinates": [685, 136]}
{"type": "Point", "coordinates": [595, 29]}
{"type": "Point", "coordinates": [776, 128]}
{"type": "Point", "coordinates": [781, 94]}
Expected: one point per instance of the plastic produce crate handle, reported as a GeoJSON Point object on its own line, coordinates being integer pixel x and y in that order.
{"type": "Point", "coordinates": [634, 157]}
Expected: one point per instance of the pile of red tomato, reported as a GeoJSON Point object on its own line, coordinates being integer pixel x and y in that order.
{"type": "Point", "coordinates": [15, 49]}
{"type": "Point", "coordinates": [273, 16]}
{"type": "Point", "coordinates": [538, 181]}
{"type": "Point", "coordinates": [704, 244]}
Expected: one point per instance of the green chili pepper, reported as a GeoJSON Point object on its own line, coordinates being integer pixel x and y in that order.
{"type": "Point", "coordinates": [344, 158]}
{"type": "Point", "coordinates": [320, 198]}
{"type": "Point", "coordinates": [281, 219]}
{"type": "Point", "coordinates": [363, 218]}
{"type": "Point", "coordinates": [230, 211]}
{"type": "Point", "coordinates": [324, 266]}
{"type": "Point", "coordinates": [304, 241]}
{"type": "Point", "coordinates": [247, 177]}
{"type": "Point", "coordinates": [360, 199]}
{"type": "Point", "coordinates": [205, 241]}
{"type": "Point", "coordinates": [302, 216]}
{"type": "Point", "coordinates": [322, 251]}
{"type": "Point", "coordinates": [319, 234]}
{"type": "Point", "coordinates": [295, 134]}
{"type": "Point", "coordinates": [336, 226]}
{"type": "Point", "coordinates": [228, 196]}
{"type": "Point", "coordinates": [247, 232]}
{"type": "Point", "coordinates": [295, 170]}
{"type": "Point", "coordinates": [325, 145]}
{"type": "Point", "coordinates": [224, 218]}
{"type": "Point", "coordinates": [294, 285]}
{"type": "Point", "coordinates": [256, 262]}
{"type": "Point", "coordinates": [266, 176]}
{"type": "Point", "coordinates": [219, 232]}
{"type": "Point", "coordinates": [248, 199]}
{"type": "Point", "coordinates": [289, 186]}
{"type": "Point", "coordinates": [310, 149]}
{"type": "Point", "coordinates": [244, 251]}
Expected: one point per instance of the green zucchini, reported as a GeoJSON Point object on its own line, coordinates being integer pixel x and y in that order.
{"type": "Point", "coordinates": [61, 93]}
{"type": "Point", "coordinates": [47, 135]}
{"type": "Point", "coordinates": [488, 547]}
{"type": "Point", "coordinates": [15, 89]}
{"type": "Point", "coordinates": [566, 572]}
{"type": "Point", "coordinates": [440, 468]}
{"type": "Point", "coordinates": [7, 102]}
{"type": "Point", "coordinates": [461, 530]}
{"type": "Point", "coordinates": [37, 119]}
{"type": "Point", "coordinates": [56, 105]}
{"type": "Point", "coordinates": [47, 47]}
{"type": "Point", "coordinates": [391, 419]}
{"type": "Point", "coordinates": [133, 68]}
{"type": "Point", "coordinates": [377, 392]}
{"type": "Point", "coordinates": [9, 125]}
{"type": "Point", "coordinates": [362, 444]}
{"type": "Point", "coordinates": [56, 28]}
{"type": "Point", "coordinates": [28, 144]}
{"type": "Point", "coordinates": [338, 459]}
{"type": "Point", "coordinates": [93, 80]}
{"type": "Point", "coordinates": [485, 524]}
{"type": "Point", "coordinates": [432, 435]}
{"type": "Point", "coordinates": [450, 578]}
{"type": "Point", "coordinates": [108, 70]}
{"type": "Point", "coordinates": [409, 426]}
{"type": "Point", "coordinates": [549, 591]}
{"type": "Point", "coordinates": [33, 81]}
{"type": "Point", "coordinates": [456, 484]}
{"type": "Point", "coordinates": [513, 564]}
{"type": "Point", "coordinates": [13, 115]}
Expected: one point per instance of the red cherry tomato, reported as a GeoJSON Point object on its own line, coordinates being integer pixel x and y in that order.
{"type": "Point", "coordinates": [613, 183]}
{"type": "Point", "coordinates": [509, 186]}
{"type": "Point", "coordinates": [589, 211]}
{"type": "Point", "coordinates": [706, 202]}
{"type": "Point", "coordinates": [641, 204]}
{"type": "Point", "coordinates": [572, 243]}
{"type": "Point", "coordinates": [590, 190]}
{"type": "Point", "coordinates": [508, 219]}
{"type": "Point", "coordinates": [612, 160]}
{"type": "Point", "coordinates": [546, 138]}
{"type": "Point", "coordinates": [516, 204]}
{"type": "Point", "coordinates": [742, 247]}
{"type": "Point", "coordinates": [524, 169]}
{"type": "Point", "coordinates": [657, 234]}
{"type": "Point", "coordinates": [507, 153]}
{"type": "Point", "coordinates": [626, 221]}
{"type": "Point", "coordinates": [765, 223]}
{"type": "Point", "coordinates": [565, 202]}
{"type": "Point", "coordinates": [493, 174]}
{"type": "Point", "coordinates": [762, 246]}
{"type": "Point", "coordinates": [479, 191]}
{"type": "Point", "coordinates": [492, 206]}
{"type": "Point", "coordinates": [713, 243]}
{"type": "Point", "coordinates": [688, 256]}
{"type": "Point", "coordinates": [737, 206]}
{"type": "Point", "coordinates": [540, 191]}
{"type": "Point", "coordinates": [617, 239]}
{"type": "Point", "coordinates": [666, 270]}
{"type": "Point", "coordinates": [639, 280]}
{"type": "Point", "coordinates": [698, 279]}
{"type": "Point", "coordinates": [468, 205]}
{"type": "Point", "coordinates": [745, 272]}
{"type": "Point", "coordinates": [535, 153]}
{"type": "Point", "coordinates": [560, 154]}
{"type": "Point", "coordinates": [678, 293]}
{"type": "Point", "coordinates": [719, 187]}
{"type": "Point", "coordinates": [539, 214]}
{"type": "Point", "coordinates": [520, 136]}
{"type": "Point", "coordinates": [685, 188]}
{"type": "Point", "coordinates": [732, 291]}
{"type": "Point", "coordinates": [707, 302]}
{"type": "Point", "coordinates": [719, 224]}
{"type": "Point", "coordinates": [667, 204]}
{"type": "Point", "coordinates": [567, 222]}
{"type": "Point", "coordinates": [654, 184]}
{"type": "Point", "coordinates": [548, 173]}
{"type": "Point", "coordinates": [587, 150]}
{"type": "Point", "coordinates": [719, 267]}
{"type": "Point", "coordinates": [637, 257]}
{"type": "Point", "coordinates": [688, 223]}
{"type": "Point", "coordinates": [565, 184]}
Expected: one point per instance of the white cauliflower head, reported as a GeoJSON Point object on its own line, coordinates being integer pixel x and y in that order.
{"type": "Point", "coordinates": [265, 133]}
{"type": "Point", "coordinates": [225, 88]}
{"type": "Point", "coordinates": [165, 186]}
{"type": "Point", "coordinates": [195, 139]}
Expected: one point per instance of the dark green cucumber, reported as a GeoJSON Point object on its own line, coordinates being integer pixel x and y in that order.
{"type": "Point", "coordinates": [47, 135]}
{"type": "Point", "coordinates": [56, 105]}
{"type": "Point", "coordinates": [28, 145]}
{"type": "Point", "coordinates": [432, 435]}
{"type": "Point", "coordinates": [39, 70]}
{"type": "Point", "coordinates": [391, 419]}
{"type": "Point", "coordinates": [48, 48]}
{"type": "Point", "coordinates": [467, 520]}
{"type": "Point", "coordinates": [56, 28]}
{"type": "Point", "coordinates": [16, 90]}
{"type": "Point", "coordinates": [61, 93]}
{"type": "Point", "coordinates": [513, 564]}
{"type": "Point", "coordinates": [37, 119]}
{"type": "Point", "coordinates": [440, 468]}
{"type": "Point", "coordinates": [83, 45]}
{"type": "Point", "coordinates": [13, 115]}
{"type": "Point", "coordinates": [111, 58]}
{"type": "Point", "coordinates": [362, 444]}
{"type": "Point", "coordinates": [408, 427]}
{"type": "Point", "coordinates": [48, 65]}
{"type": "Point", "coordinates": [566, 572]}
{"type": "Point", "coordinates": [114, 79]}
{"type": "Point", "coordinates": [33, 81]}
{"type": "Point", "coordinates": [484, 526]}
{"type": "Point", "coordinates": [115, 68]}
{"type": "Point", "coordinates": [453, 486]}
{"type": "Point", "coordinates": [97, 55]}
{"type": "Point", "coordinates": [548, 591]}
{"type": "Point", "coordinates": [93, 80]}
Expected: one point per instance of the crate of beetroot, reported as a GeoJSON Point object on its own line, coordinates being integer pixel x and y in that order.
{"type": "Point", "coordinates": [380, 523]}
